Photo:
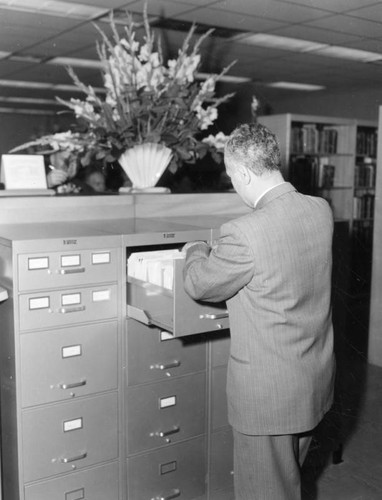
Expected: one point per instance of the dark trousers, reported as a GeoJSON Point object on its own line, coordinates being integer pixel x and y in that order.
{"type": "Point", "coordinates": [268, 467]}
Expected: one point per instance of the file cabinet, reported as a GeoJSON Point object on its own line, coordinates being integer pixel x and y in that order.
{"type": "Point", "coordinates": [60, 369]}
{"type": "Point", "coordinates": [111, 388]}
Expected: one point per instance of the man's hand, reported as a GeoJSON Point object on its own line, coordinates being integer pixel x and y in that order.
{"type": "Point", "coordinates": [191, 244]}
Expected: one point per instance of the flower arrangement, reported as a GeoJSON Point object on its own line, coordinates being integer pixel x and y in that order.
{"type": "Point", "coordinates": [147, 99]}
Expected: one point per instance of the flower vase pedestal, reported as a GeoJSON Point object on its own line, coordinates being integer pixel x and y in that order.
{"type": "Point", "coordinates": [144, 164]}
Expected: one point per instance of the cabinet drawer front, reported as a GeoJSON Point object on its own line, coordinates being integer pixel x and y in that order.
{"type": "Point", "coordinates": [59, 269]}
{"type": "Point", "coordinates": [166, 412]}
{"type": "Point", "coordinates": [65, 307]}
{"type": "Point", "coordinates": [219, 411]}
{"type": "Point", "coordinates": [174, 310]}
{"type": "Point", "coordinates": [69, 436]}
{"type": "Point", "coordinates": [66, 363]}
{"type": "Point", "coordinates": [99, 483]}
{"type": "Point", "coordinates": [176, 471]}
{"type": "Point", "coordinates": [154, 354]}
{"type": "Point", "coordinates": [220, 347]}
{"type": "Point", "coordinates": [221, 465]}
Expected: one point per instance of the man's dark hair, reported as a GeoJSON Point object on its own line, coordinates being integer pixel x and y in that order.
{"type": "Point", "coordinates": [254, 146]}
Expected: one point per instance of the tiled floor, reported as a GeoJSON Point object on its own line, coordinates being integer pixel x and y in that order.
{"type": "Point", "coordinates": [356, 421]}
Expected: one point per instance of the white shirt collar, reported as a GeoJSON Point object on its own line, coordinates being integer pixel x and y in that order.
{"type": "Point", "coordinates": [266, 191]}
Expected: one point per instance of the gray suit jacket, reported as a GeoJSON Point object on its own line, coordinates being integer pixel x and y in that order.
{"type": "Point", "coordinates": [273, 267]}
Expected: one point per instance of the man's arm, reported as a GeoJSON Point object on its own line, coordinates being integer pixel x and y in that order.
{"type": "Point", "coordinates": [216, 274]}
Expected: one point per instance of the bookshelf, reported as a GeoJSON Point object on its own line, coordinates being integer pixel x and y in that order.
{"type": "Point", "coordinates": [334, 158]}
{"type": "Point", "coordinates": [330, 157]}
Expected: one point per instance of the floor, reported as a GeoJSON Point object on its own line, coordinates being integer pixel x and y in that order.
{"type": "Point", "coordinates": [355, 422]}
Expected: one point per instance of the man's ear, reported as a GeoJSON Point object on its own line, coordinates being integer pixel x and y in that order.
{"type": "Point", "coordinates": [245, 174]}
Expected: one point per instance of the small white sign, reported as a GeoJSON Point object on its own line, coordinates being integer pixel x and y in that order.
{"type": "Point", "coordinates": [73, 425]}
{"type": "Point", "coordinates": [38, 263]}
{"type": "Point", "coordinates": [101, 258]}
{"type": "Point", "coordinates": [101, 295]}
{"type": "Point", "coordinates": [166, 402]}
{"type": "Point", "coordinates": [39, 303]}
{"type": "Point", "coordinates": [71, 350]}
{"type": "Point", "coordinates": [71, 299]}
{"type": "Point", "coordinates": [23, 172]}
{"type": "Point", "coordinates": [70, 260]}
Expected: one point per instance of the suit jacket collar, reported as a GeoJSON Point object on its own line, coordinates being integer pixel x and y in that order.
{"type": "Point", "coordinates": [274, 193]}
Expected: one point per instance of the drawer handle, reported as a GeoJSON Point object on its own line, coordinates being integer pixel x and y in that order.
{"type": "Point", "coordinates": [73, 459]}
{"type": "Point", "coordinates": [214, 316]}
{"type": "Point", "coordinates": [174, 494]}
{"type": "Point", "coordinates": [168, 433]}
{"type": "Point", "coordinates": [72, 271]}
{"type": "Point", "coordinates": [65, 310]}
{"type": "Point", "coordinates": [73, 385]}
{"type": "Point", "coordinates": [158, 366]}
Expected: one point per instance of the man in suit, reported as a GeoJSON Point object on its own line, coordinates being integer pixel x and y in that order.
{"type": "Point", "coordinates": [273, 267]}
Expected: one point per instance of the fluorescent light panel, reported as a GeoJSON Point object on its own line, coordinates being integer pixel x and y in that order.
{"type": "Point", "coordinates": [27, 111]}
{"type": "Point", "coordinates": [76, 62]}
{"type": "Point", "coordinates": [278, 42]}
{"type": "Point", "coordinates": [55, 8]}
{"type": "Point", "coordinates": [224, 78]}
{"type": "Point", "coordinates": [298, 45]}
{"type": "Point", "coordinates": [295, 86]}
{"type": "Point", "coordinates": [28, 100]}
{"type": "Point", "coordinates": [22, 84]}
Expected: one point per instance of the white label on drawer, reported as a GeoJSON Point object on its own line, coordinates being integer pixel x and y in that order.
{"type": "Point", "coordinates": [70, 299]}
{"type": "Point", "coordinates": [75, 495]}
{"type": "Point", "coordinates": [39, 303]}
{"type": "Point", "coordinates": [38, 263]}
{"type": "Point", "coordinates": [101, 258]}
{"type": "Point", "coordinates": [70, 260]}
{"type": "Point", "coordinates": [165, 336]}
{"type": "Point", "coordinates": [73, 425]}
{"type": "Point", "coordinates": [166, 402]}
{"type": "Point", "coordinates": [71, 350]}
{"type": "Point", "coordinates": [169, 467]}
{"type": "Point", "coordinates": [101, 295]}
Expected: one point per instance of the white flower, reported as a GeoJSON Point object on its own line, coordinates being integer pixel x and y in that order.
{"type": "Point", "coordinates": [217, 141]}
{"type": "Point", "coordinates": [206, 116]}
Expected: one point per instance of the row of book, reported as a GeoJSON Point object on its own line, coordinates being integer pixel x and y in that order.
{"type": "Point", "coordinates": [309, 138]}
{"type": "Point", "coordinates": [363, 206]}
{"type": "Point", "coordinates": [307, 173]}
{"type": "Point", "coordinates": [366, 142]}
{"type": "Point", "coordinates": [364, 174]}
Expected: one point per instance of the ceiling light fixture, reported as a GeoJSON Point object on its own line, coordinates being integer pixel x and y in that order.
{"type": "Point", "coordinates": [76, 62]}
{"type": "Point", "coordinates": [224, 78]}
{"type": "Point", "coordinates": [295, 86]}
{"type": "Point", "coordinates": [348, 53]}
{"type": "Point", "coordinates": [278, 42]}
{"type": "Point", "coordinates": [29, 100]}
{"type": "Point", "coordinates": [27, 111]}
{"type": "Point", "coordinates": [55, 8]}
{"type": "Point", "coordinates": [61, 87]}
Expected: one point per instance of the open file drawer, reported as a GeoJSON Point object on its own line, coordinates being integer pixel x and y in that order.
{"type": "Point", "coordinates": [172, 309]}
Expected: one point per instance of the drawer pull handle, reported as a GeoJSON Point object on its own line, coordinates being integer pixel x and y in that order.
{"type": "Point", "coordinates": [162, 366]}
{"type": "Point", "coordinates": [73, 385]}
{"type": "Point", "coordinates": [73, 459]}
{"type": "Point", "coordinates": [214, 316]}
{"type": "Point", "coordinates": [168, 433]}
{"type": "Point", "coordinates": [72, 271]}
{"type": "Point", "coordinates": [65, 310]}
{"type": "Point", "coordinates": [174, 494]}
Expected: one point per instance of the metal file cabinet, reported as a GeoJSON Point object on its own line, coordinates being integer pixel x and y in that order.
{"type": "Point", "coordinates": [101, 398]}
{"type": "Point", "coordinates": [60, 368]}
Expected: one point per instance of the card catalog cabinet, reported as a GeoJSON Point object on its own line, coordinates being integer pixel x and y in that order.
{"type": "Point", "coordinates": [112, 385]}
{"type": "Point", "coordinates": [60, 395]}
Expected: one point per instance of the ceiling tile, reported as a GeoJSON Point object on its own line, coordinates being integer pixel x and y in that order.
{"type": "Point", "coordinates": [347, 24]}
{"type": "Point", "coordinates": [315, 34]}
{"type": "Point", "coordinates": [272, 9]}
{"type": "Point", "coordinates": [338, 6]}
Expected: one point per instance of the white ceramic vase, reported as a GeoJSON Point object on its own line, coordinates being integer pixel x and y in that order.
{"type": "Point", "coordinates": [145, 163]}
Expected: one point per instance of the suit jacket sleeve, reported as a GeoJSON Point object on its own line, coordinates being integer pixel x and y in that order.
{"type": "Point", "coordinates": [219, 273]}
